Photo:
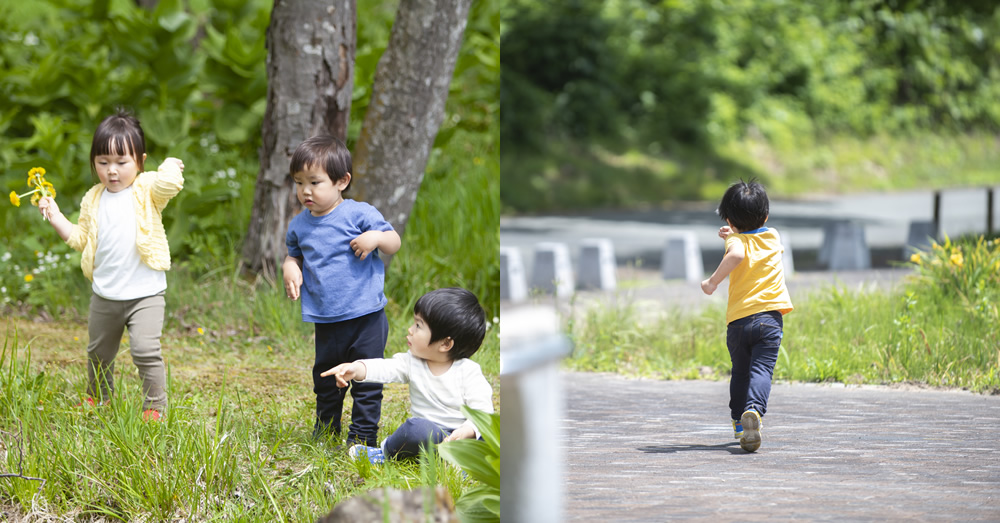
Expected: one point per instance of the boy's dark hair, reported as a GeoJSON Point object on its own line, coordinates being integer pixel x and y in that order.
{"type": "Point", "coordinates": [454, 313]}
{"type": "Point", "coordinates": [323, 151]}
{"type": "Point", "coordinates": [745, 205]}
{"type": "Point", "coordinates": [118, 134]}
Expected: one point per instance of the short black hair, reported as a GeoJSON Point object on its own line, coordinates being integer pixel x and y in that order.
{"type": "Point", "coordinates": [455, 313]}
{"type": "Point", "coordinates": [323, 151]}
{"type": "Point", "coordinates": [119, 134]}
{"type": "Point", "coordinates": [745, 205]}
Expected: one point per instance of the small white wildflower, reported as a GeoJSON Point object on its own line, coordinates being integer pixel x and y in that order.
{"type": "Point", "coordinates": [231, 172]}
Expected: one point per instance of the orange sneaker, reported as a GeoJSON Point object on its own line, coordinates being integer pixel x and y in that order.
{"type": "Point", "coordinates": [151, 415]}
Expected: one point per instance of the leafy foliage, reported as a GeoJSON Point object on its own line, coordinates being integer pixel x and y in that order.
{"type": "Point", "coordinates": [195, 74]}
{"type": "Point", "coordinates": [480, 459]}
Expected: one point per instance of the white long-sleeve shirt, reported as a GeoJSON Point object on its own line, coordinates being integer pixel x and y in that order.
{"type": "Point", "coordinates": [436, 398]}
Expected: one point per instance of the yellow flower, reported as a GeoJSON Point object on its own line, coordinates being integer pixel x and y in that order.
{"type": "Point", "coordinates": [76, 338]}
{"type": "Point", "coordinates": [14, 199]}
{"type": "Point", "coordinates": [29, 277]}
{"type": "Point", "coordinates": [269, 349]}
{"type": "Point", "coordinates": [201, 330]}
{"type": "Point", "coordinates": [957, 259]}
{"type": "Point", "coordinates": [915, 258]}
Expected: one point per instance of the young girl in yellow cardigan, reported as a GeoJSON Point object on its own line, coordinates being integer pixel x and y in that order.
{"type": "Point", "coordinates": [125, 254]}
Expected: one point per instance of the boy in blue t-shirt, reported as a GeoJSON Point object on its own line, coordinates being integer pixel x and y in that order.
{"type": "Point", "coordinates": [332, 258]}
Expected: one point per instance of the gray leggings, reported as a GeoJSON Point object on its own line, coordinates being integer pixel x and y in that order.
{"type": "Point", "coordinates": [144, 319]}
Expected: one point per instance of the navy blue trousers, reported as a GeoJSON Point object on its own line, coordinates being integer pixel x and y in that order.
{"type": "Point", "coordinates": [343, 342]}
{"type": "Point", "coordinates": [411, 436]}
{"type": "Point", "coordinates": [753, 344]}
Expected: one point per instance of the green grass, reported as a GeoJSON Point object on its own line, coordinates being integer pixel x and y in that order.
{"type": "Point", "coordinates": [236, 443]}
{"type": "Point", "coordinates": [939, 329]}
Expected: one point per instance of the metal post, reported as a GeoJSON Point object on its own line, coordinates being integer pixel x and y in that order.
{"type": "Point", "coordinates": [937, 212]}
{"type": "Point", "coordinates": [989, 212]}
{"type": "Point", "coordinates": [531, 480]}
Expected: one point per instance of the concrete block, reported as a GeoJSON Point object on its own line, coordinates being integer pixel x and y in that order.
{"type": "Point", "coordinates": [682, 258]}
{"type": "Point", "coordinates": [847, 249]}
{"type": "Point", "coordinates": [597, 265]}
{"type": "Point", "coordinates": [552, 272]}
{"type": "Point", "coordinates": [513, 279]}
{"type": "Point", "coordinates": [918, 237]}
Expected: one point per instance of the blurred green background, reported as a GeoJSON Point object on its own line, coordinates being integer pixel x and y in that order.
{"type": "Point", "coordinates": [636, 103]}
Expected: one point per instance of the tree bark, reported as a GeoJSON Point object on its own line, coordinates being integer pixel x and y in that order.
{"type": "Point", "coordinates": [310, 70]}
{"type": "Point", "coordinates": [407, 105]}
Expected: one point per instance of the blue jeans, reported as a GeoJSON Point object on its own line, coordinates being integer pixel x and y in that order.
{"type": "Point", "coordinates": [753, 344]}
{"type": "Point", "coordinates": [412, 436]}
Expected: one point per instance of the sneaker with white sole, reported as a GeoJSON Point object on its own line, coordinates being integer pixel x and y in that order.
{"type": "Point", "coordinates": [737, 429]}
{"type": "Point", "coordinates": [751, 431]}
{"type": "Point", "coordinates": [374, 454]}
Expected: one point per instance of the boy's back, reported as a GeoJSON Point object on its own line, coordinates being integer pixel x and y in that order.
{"type": "Point", "coordinates": [757, 284]}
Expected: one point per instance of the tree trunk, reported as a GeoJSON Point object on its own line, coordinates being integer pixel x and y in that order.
{"type": "Point", "coordinates": [310, 70]}
{"type": "Point", "coordinates": [407, 105]}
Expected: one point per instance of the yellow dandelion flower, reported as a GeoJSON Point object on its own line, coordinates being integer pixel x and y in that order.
{"type": "Point", "coordinates": [14, 199]}
{"type": "Point", "coordinates": [957, 259]}
{"type": "Point", "coordinates": [76, 338]}
{"type": "Point", "coordinates": [915, 258]}
{"type": "Point", "coordinates": [269, 349]}
{"type": "Point", "coordinates": [201, 330]}
{"type": "Point", "coordinates": [29, 277]}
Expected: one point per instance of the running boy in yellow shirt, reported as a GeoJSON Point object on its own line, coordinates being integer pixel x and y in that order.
{"type": "Point", "coordinates": [758, 299]}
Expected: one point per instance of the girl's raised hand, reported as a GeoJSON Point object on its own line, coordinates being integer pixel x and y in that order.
{"type": "Point", "coordinates": [175, 161]}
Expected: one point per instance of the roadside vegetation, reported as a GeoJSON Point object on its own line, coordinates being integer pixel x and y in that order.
{"type": "Point", "coordinates": [938, 329]}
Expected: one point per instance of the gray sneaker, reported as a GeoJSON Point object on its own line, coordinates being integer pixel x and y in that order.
{"type": "Point", "coordinates": [751, 431]}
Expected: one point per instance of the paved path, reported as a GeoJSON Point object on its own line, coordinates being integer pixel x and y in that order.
{"type": "Point", "coordinates": [647, 450]}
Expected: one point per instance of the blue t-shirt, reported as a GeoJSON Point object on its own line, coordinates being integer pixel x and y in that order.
{"type": "Point", "coordinates": [336, 285]}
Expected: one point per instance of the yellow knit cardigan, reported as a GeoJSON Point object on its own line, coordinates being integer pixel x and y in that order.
{"type": "Point", "coordinates": [151, 190]}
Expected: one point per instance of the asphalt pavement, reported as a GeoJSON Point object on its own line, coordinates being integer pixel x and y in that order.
{"type": "Point", "coordinates": [650, 450]}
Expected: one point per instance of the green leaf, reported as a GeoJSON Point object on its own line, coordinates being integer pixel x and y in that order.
{"type": "Point", "coordinates": [472, 456]}
{"type": "Point", "coordinates": [479, 505]}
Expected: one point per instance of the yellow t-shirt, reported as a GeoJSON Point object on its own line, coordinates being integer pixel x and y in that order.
{"type": "Point", "coordinates": [757, 284]}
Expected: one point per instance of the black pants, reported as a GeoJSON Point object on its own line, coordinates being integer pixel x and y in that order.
{"type": "Point", "coordinates": [343, 342]}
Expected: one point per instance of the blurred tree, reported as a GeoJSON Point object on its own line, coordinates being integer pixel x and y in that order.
{"type": "Point", "coordinates": [407, 107]}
